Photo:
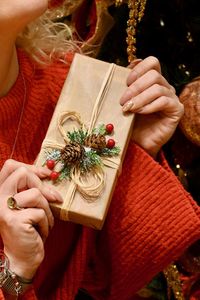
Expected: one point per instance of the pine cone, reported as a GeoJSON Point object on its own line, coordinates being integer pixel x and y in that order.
{"type": "Point", "coordinates": [95, 141]}
{"type": "Point", "coordinates": [72, 153]}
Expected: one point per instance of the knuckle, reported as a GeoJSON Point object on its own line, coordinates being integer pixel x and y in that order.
{"type": "Point", "coordinates": [155, 75]}
{"type": "Point", "coordinates": [9, 163]}
{"type": "Point", "coordinates": [135, 89]}
{"type": "Point", "coordinates": [154, 61]}
{"type": "Point", "coordinates": [36, 192]}
{"type": "Point", "coordinates": [165, 101]}
{"type": "Point", "coordinates": [173, 89]}
{"type": "Point", "coordinates": [42, 213]}
{"type": "Point", "coordinates": [23, 171]}
{"type": "Point", "coordinates": [8, 220]}
{"type": "Point", "coordinates": [159, 89]}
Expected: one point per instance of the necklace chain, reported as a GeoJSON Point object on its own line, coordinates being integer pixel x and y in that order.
{"type": "Point", "coordinates": [20, 118]}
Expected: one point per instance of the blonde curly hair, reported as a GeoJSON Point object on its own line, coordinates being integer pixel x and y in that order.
{"type": "Point", "coordinates": [48, 38]}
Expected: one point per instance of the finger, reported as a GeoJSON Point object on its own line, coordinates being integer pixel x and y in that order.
{"type": "Point", "coordinates": [11, 165]}
{"type": "Point", "coordinates": [148, 96]}
{"type": "Point", "coordinates": [145, 90]}
{"type": "Point", "coordinates": [134, 63]}
{"type": "Point", "coordinates": [37, 220]}
{"type": "Point", "coordinates": [149, 63]}
{"type": "Point", "coordinates": [150, 78]}
{"type": "Point", "coordinates": [166, 105]}
{"type": "Point", "coordinates": [33, 198]}
{"type": "Point", "coordinates": [22, 178]}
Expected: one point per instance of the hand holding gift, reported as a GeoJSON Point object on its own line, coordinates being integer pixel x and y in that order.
{"type": "Point", "coordinates": [155, 104]}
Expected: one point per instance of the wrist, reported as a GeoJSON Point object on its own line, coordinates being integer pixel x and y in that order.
{"type": "Point", "coordinates": [153, 152]}
{"type": "Point", "coordinates": [10, 282]}
{"type": "Point", "coordinates": [21, 268]}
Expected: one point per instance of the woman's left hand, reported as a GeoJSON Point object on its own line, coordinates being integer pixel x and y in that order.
{"type": "Point", "coordinates": [153, 100]}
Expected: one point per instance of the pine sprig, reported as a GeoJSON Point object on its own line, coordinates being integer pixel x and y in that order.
{"type": "Point", "coordinates": [110, 152]}
{"type": "Point", "coordinates": [91, 159]}
{"type": "Point", "coordinates": [100, 130]}
{"type": "Point", "coordinates": [77, 136]}
{"type": "Point", "coordinates": [65, 172]}
{"type": "Point", "coordinates": [53, 154]}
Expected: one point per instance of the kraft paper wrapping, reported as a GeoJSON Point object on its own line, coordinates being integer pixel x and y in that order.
{"type": "Point", "coordinates": [79, 94]}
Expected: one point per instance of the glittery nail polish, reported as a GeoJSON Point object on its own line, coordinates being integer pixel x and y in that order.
{"type": "Point", "coordinates": [127, 106]}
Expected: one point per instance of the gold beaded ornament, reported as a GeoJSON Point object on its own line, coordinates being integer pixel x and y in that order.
{"type": "Point", "coordinates": [136, 12]}
{"type": "Point", "coordinates": [174, 282]}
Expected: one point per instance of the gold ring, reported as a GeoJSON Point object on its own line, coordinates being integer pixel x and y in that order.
{"type": "Point", "coordinates": [12, 203]}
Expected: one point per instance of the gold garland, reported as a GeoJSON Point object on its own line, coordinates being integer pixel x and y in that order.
{"type": "Point", "coordinates": [136, 12]}
{"type": "Point", "coordinates": [174, 282]}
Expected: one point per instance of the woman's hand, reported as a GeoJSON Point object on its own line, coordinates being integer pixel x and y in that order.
{"type": "Point", "coordinates": [153, 100]}
{"type": "Point", "coordinates": [25, 230]}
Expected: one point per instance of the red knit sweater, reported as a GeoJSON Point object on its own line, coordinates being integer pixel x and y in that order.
{"type": "Point", "coordinates": [150, 222]}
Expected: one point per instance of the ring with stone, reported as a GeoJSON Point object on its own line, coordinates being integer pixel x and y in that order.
{"type": "Point", "coordinates": [12, 203]}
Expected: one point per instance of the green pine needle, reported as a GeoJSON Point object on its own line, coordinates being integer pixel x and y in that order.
{"type": "Point", "coordinates": [90, 160]}
{"type": "Point", "coordinates": [110, 152]}
{"type": "Point", "coordinates": [77, 136]}
{"type": "Point", "coordinates": [101, 129]}
{"type": "Point", "coordinates": [65, 173]}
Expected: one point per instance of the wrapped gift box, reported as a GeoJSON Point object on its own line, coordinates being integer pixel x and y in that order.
{"type": "Point", "coordinates": [90, 96]}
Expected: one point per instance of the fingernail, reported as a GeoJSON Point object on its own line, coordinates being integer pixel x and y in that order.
{"type": "Point", "coordinates": [128, 106]}
{"type": "Point", "coordinates": [127, 95]}
{"type": "Point", "coordinates": [134, 63]}
{"type": "Point", "coordinates": [44, 172]}
{"type": "Point", "coordinates": [56, 195]}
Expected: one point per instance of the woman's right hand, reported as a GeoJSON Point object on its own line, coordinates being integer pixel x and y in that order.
{"type": "Point", "coordinates": [25, 230]}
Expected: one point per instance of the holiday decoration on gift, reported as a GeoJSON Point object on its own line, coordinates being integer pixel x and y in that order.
{"type": "Point", "coordinates": [83, 151]}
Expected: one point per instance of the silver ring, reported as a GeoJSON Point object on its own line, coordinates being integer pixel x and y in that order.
{"type": "Point", "coordinates": [12, 204]}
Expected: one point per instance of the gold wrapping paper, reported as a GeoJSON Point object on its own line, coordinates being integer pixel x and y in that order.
{"type": "Point", "coordinates": [79, 95]}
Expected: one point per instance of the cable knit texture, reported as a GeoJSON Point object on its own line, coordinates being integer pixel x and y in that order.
{"type": "Point", "coordinates": [150, 222]}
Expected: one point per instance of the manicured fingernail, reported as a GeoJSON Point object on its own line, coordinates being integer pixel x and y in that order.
{"type": "Point", "coordinates": [128, 94]}
{"type": "Point", "coordinates": [134, 63]}
{"type": "Point", "coordinates": [128, 105]}
{"type": "Point", "coordinates": [56, 195]}
{"type": "Point", "coordinates": [45, 172]}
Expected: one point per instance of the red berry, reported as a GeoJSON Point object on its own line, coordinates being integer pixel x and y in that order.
{"type": "Point", "coordinates": [50, 163]}
{"type": "Point", "coordinates": [54, 175]}
{"type": "Point", "coordinates": [109, 128]}
{"type": "Point", "coordinates": [110, 143]}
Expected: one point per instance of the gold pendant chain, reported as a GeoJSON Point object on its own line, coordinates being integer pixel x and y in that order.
{"type": "Point", "coordinates": [174, 282]}
{"type": "Point", "coordinates": [136, 12]}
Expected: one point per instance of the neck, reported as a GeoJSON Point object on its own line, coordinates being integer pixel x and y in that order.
{"type": "Point", "coordinates": [8, 65]}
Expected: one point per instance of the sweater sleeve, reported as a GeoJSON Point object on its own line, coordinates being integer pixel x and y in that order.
{"type": "Point", "coordinates": [151, 221]}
